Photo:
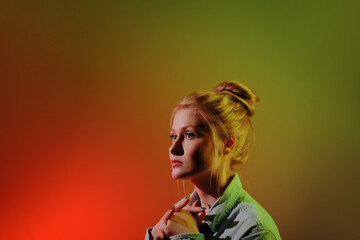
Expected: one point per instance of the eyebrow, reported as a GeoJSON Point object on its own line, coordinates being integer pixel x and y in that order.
{"type": "Point", "coordinates": [184, 127]}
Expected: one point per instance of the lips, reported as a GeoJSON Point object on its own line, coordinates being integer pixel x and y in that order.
{"type": "Point", "coordinates": [176, 163]}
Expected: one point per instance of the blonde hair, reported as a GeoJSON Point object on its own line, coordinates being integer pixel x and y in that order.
{"type": "Point", "coordinates": [226, 111]}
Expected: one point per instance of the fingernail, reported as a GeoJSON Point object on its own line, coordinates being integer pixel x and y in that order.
{"type": "Point", "coordinates": [203, 208]}
{"type": "Point", "coordinates": [172, 207]}
{"type": "Point", "coordinates": [187, 196]}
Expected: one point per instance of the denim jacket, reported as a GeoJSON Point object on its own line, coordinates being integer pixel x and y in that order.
{"type": "Point", "coordinates": [234, 216]}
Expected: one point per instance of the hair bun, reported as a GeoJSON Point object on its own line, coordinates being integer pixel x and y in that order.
{"type": "Point", "coordinates": [241, 92]}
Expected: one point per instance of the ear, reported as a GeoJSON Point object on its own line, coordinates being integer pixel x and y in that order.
{"type": "Point", "coordinates": [229, 144]}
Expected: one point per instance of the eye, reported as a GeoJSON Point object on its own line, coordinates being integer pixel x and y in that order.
{"type": "Point", "coordinates": [173, 136]}
{"type": "Point", "coordinates": [189, 135]}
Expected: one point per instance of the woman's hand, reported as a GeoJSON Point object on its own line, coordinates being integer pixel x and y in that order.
{"type": "Point", "coordinates": [185, 220]}
{"type": "Point", "coordinates": [158, 231]}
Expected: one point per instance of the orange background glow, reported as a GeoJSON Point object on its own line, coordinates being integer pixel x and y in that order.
{"type": "Point", "coordinates": [87, 89]}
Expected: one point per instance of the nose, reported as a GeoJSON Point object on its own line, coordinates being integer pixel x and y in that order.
{"type": "Point", "coordinates": [176, 147]}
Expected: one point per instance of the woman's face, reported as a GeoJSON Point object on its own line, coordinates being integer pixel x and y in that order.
{"type": "Point", "coordinates": [191, 152]}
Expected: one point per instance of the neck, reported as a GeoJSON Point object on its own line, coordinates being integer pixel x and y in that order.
{"type": "Point", "coordinates": [210, 191]}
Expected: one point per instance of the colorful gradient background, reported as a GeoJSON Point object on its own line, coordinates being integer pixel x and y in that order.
{"type": "Point", "coordinates": [87, 88]}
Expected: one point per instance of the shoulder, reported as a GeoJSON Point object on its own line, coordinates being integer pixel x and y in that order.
{"type": "Point", "coordinates": [254, 218]}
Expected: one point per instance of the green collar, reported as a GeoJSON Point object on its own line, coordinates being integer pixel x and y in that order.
{"type": "Point", "coordinates": [223, 205]}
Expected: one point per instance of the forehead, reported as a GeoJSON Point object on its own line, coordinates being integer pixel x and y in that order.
{"type": "Point", "coordinates": [184, 117]}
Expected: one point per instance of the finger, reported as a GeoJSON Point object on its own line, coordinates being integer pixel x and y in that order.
{"type": "Point", "coordinates": [193, 209]}
{"type": "Point", "coordinates": [182, 203]}
{"type": "Point", "coordinates": [197, 212]}
{"type": "Point", "coordinates": [168, 214]}
{"type": "Point", "coordinates": [201, 216]}
{"type": "Point", "coordinates": [157, 235]}
{"type": "Point", "coordinates": [160, 236]}
{"type": "Point", "coordinates": [195, 203]}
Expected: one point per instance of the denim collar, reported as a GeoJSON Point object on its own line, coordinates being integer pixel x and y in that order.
{"type": "Point", "coordinates": [223, 205]}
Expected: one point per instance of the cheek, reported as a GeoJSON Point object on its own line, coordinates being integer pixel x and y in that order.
{"type": "Point", "coordinates": [200, 155]}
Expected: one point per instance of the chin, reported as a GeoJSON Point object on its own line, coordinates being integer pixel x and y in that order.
{"type": "Point", "coordinates": [178, 175]}
{"type": "Point", "coordinates": [190, 175]}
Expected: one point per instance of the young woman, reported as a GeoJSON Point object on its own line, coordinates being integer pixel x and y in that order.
{"type": "Point", "coordinates": [209, 132]}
